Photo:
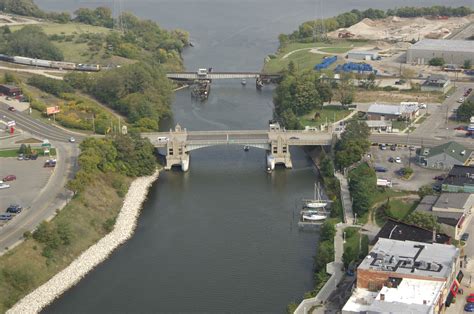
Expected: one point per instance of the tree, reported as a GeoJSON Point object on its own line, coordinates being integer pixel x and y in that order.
{"type": "Point", "coordinates": [31, 41]}
{"type": "Point", "coordinates": [423, 220]}
{"type": "Point", "coordinates": [353, 144]}
{"type": "Point", "coordinates": [345, 90]}
{"type": "Point", "coordinates": [292, 68]}
{"type": "Point", "coordinates": [327, 167]}
{"type": "Point", "coordinates": [436, 62]}
{"type": "Point", "coordinates": [425, 190]}
{"type": "Point", "coordinates": [465, 110]}
{"type": "Point", "coordinates": [467, 64]}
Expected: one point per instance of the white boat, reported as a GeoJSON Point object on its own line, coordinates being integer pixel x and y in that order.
{"type": "Point", "coordinates": [243, 82]}
{"type": "Point", "coordinates": [246, 148]}
{"type": "Point", "coordinates": [314, 217]}
{"type": "Point", "coordinates": [317, 202]}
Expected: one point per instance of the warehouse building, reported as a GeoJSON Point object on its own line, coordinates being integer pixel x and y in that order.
{"type": "Point", "coordinates": [452, 51]}
{"type": "Point", "coordinates": [363, 54]}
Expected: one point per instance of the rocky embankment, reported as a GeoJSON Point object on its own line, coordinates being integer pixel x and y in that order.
{"type": "Point", "coordinates": [96, 254]}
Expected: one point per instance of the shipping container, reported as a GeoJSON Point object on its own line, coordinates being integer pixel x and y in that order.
{"type": "Point", "coordinates": [325, 63]}
{"type": "Point", "coordinates": [63, 65]}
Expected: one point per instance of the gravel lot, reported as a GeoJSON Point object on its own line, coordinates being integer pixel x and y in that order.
{"type": "Point", "coordinates": [420, 176]}
{"type": "Point", "coordinates": [31, 176]}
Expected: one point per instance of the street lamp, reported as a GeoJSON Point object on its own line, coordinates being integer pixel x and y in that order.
{"type": "Point", "coordinates": [344, 237]}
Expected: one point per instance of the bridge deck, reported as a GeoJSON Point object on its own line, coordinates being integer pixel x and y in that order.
{"type": "Point", "coordinates": [218, 75]}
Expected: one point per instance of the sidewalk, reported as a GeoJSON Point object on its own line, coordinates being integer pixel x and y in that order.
{"type": "Point", "coordinates": [334, 268]}
{"type": "Point", "coordinates": [346, 199]}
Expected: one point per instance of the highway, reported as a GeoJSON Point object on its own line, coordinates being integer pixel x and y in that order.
{"type": "Point", "coordinates": [54, 195]}
{"type": "Point", "coordinates": [37, 127]}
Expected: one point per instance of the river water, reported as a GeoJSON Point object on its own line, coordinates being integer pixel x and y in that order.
{"type": "Point", "coordinates": [222, 237]}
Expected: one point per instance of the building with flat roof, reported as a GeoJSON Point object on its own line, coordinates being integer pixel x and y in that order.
{"type": "Point", "coordinates": [407, 296]}
{"type": "Point", "coordinates": [10, 90]}
{"type": "Point", "coordinates": [459, 179]}
{"type": "Point", "coordinates": [452, 51]}
{"type": "Point", "coordinates": [401, 231]}
{"type": "Point", "coordinates": [414, 275]}
{"type": "Point", "coordinates": [379, 125]}
{"type": "Point", "coordinates": [453, 211]}
{"type": "Point", "coordinates": [444, 156]}
{"type": "Point", "coordinates": [363, 54]}
{"type": "Point", "coordinates": [393, 112]}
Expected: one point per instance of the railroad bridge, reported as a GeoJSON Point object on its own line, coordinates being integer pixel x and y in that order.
{"type": "Point", "coordinates": [276, 141]}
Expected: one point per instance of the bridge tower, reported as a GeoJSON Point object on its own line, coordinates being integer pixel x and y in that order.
{"type": "Point", "coordinates": [176, 153]}
{"type": "Point", "coordinates": [279, 149]}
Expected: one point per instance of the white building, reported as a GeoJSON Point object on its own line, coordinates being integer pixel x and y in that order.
{"type": "Point", "coordinates": [452, 51]}
{"type": "Point", "coordinates": [363, 55]}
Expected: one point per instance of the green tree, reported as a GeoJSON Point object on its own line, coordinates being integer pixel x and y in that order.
{"type": "Point", "coordinates": [327, 167]}
{"type": "Point", "coordinates": [425, 190]}
{"type": "Point", "coordinates": [465, 111]}
{"type": "Point", "coordinates": [31, 41]}
{"type": "Point", "coordinates": [436, 62]}
{"type": "Point", "coordinates": [345, 90]}
{"type": "Point", "coordinates": [467, 64]}
{"type": "Point", "coordinates": [423, 220]}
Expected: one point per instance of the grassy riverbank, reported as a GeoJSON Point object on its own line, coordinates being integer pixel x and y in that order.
{"type": "Point", "coordinates": [307, 55]}
{"type": "Point", "coordinates": [86, 219]}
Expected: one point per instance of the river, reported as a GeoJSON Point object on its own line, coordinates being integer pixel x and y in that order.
{"type": "Point", "coordinates": [222, 237]}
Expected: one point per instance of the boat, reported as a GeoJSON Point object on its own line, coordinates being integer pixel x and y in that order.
{"type": "Point", "coordinates": [317, 202]}
{"type": "Point", "coordinates": [314, 217]}
{"type": "Point", "coordinates": [246, 148]}
{"type": "Point", "coordinates": [269, 170]}
{"type": "Point", "coordinates": [243, 82]}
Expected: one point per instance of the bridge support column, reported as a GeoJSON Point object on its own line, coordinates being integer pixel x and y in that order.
{"type": "Point", "coordinates": [176, 153]}
{"type": "Point", "coordinates": [279, 154]}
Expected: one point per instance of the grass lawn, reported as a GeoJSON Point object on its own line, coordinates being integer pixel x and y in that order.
{"type": "Point", "coordinates": [400, 125]}
{"type": "Point", "coordinates": [88, 217]}
{"type": "Point", "coordinates": [355, 242]}
{"type": "Point", "coordinates": [399, 209]}
{"type": "Point", "coordinates": [300, 54]}
{"type": "Point", "coordinates": [78, 51]}
{"type": "Point", "coordinates": [9, 153]}
{"type": "Point", "coordinates": [328, 113]}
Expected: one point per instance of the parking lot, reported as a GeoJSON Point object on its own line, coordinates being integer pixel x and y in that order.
{"type": "Point", "coordinates": [31, 178]}
{"type": "Point", "coordinates": [420, 177]}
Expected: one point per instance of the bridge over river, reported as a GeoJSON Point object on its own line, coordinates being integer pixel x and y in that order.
{"type": "Point", "coordinates": [276, 141]}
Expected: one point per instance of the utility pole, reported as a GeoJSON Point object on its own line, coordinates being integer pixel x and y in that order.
{"type": "Point", "coordinates": [93, 123]}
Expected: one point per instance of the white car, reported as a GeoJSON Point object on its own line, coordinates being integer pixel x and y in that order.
{"type": "Point", "coordinates": [461, 100]}
{"type": "Point", "coordinates": [72, 139]}
{"type": "Point", "coordinates": [422, 106]}
{"type": "Point", "coordinates": [4, 186]}
{"type": "Point", "coordinates": [398, 160]}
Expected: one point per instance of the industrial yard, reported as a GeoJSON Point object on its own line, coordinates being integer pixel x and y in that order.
{"type": "Point", "coordinates": [403, 29]}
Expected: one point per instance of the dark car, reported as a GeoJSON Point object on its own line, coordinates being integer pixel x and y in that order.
{"type": "Point", "coordinates": [393, 147]}
{"type": "Point", "coordinates": [34, 157]}
{"type": "Point", "coordinates": [439, 178]}
{"type": "Point", "coordinates": [294, 138]}
{"type": "Point", "coordinates": [6, 216]}
{"type": "Point", "coordinates": [11, 108]}
{"type": "Point", "coordinates": [469, 307]}
{"type": "Point", "coordinates": [391, 159]}
{"type": "Point", "coordinates": [465, 237]}
{"type": "Point", "coordinates": [10, 177]}
{"type": "Point", "coordinates": [14, 209]}
{"type": "Point", "coordinates": [460, 128]}
{"type": "Point", "coordinates": [50, 163]}
{"type": "Point", "coordinates": [380, 169]}
{"type": "Point", "coordinates": [437, 188]}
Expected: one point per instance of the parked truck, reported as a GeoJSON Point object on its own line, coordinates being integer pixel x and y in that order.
{"type": "Point", "coordinates": [386, 183]}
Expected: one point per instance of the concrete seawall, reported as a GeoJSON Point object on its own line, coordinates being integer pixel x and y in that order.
{"type": "Point", "coordinates": [93, 256]}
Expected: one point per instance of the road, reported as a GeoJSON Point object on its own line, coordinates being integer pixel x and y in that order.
{"type": "Point", "coordinates": [44, 72]}
{"type": "Point", "coordinates": [37, 127]}
{"type": "Point", "coordinates": [54, 195]}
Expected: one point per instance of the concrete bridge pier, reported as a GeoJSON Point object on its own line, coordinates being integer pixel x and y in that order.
{"type": "Point", "coordinates": [176, 152]}
{"type": "Point", "coordinates": [279, 154]}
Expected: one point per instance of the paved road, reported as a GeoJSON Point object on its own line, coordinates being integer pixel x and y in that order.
{"type": "Point", "coordinates": [37, 127]}
{"type": "Point", "coordinates": [54, 195]}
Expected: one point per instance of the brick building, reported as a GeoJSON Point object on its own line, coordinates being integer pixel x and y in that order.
{"type": "Point", "coordinates": [419, 277]}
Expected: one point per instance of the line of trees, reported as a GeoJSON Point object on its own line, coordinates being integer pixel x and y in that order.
{"type": "Point", "coordinates": [299, 94]}
{"type": "Point", "coordinates": [128, 155]}
{"type": "Point", "coordinates": [29, 41]}
{"type": "Point", "coordinates": [140, 91]}
{"type": "Point", "coordinates": [363, 187]}
{"type": "Point", "coordinates": [354, 142]}
{"type": "Point", "coordinates": [305, 31]}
